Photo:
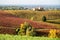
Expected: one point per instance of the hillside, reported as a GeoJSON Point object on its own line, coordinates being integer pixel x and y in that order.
{"type": "Point", "coordinates": [36, 14]}
{"type": "Point", "coordinates": [10, 21]}
{"type": "Point", "coordinates": [13, 21]}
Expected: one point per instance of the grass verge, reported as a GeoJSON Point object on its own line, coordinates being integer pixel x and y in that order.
{"type": "Point", "coordinates": [18, 37]}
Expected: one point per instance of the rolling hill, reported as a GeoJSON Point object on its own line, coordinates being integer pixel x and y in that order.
{"type": "Point", "coordinates": [9, 21]}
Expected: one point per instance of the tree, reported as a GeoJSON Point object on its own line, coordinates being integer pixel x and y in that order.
{"type": "Point", "coordinates": [44, 18]}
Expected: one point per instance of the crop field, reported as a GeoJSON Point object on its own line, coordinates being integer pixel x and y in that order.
{"type": "Point", "coordinates": [52, 16]}
{"type": "Point", "coordinates": [56, 21]}
{"type": "Point", "coordinates": [36, 14]}
{"type": "Point", "coordinates": [12, 19]}
{"type": "Point", "coordinates": [18, 37]}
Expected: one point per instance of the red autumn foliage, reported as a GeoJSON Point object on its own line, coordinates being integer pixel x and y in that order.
{"type": "Point", "coordinates": [7, 31]}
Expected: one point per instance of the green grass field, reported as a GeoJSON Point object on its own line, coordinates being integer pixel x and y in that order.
{"type": "Point", "coordinates": [18, 37]}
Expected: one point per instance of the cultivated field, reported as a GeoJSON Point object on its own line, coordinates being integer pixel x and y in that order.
{"type": "Point", "coordinates": [36, 14]}
{"type": "Point", "coordinates": [53, 16]}
{"type": "Point", "coordinates": [11, 19]}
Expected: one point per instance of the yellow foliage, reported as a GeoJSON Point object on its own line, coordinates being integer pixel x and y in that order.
{"type": "Point", "coordinates": [52, 33]}
{"type": "Point", "coordinates": [22, 25]}
{"type": "Point", "coordinates": [27, 32]}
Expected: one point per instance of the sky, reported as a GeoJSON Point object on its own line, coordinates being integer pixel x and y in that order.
{"type": "Point", "coordinates": [29, 2]}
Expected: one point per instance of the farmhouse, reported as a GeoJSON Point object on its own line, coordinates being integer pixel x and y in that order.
{"type": "Point", "coordinates": [38, 9]}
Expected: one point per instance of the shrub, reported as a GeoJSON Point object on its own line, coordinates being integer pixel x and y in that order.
{"type": "Point", "coordinates": [52, 33]}
{"type": "Point", "coordinates": [17, 30]}
{"type": "Point", "coordinates": [29, 31]}
{"type": "Point", "coordinates": [22, 31]}
{"type": "Point", "coordinates": [25, 29]}
{"type": "Point", "coordinates": [44, 18]}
